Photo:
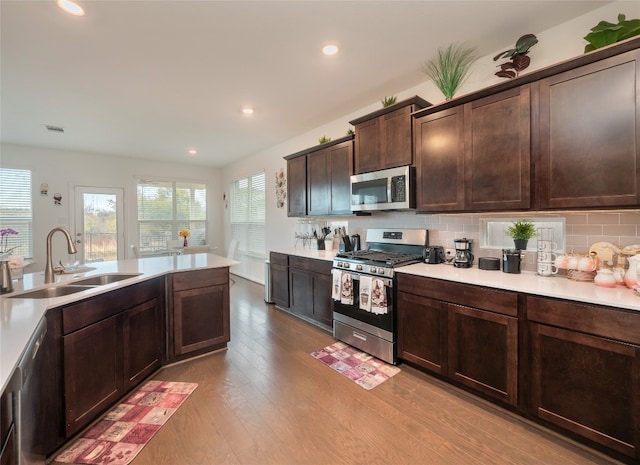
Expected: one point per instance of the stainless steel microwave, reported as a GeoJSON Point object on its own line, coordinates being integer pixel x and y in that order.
{"type": "Point", "coordinates": [390, 189]}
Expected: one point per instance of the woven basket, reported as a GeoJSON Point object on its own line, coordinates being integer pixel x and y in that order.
{"type": "Point", "coordinates": [584, 276]}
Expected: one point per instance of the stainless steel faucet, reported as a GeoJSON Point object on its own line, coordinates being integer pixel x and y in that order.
{"type": "Point", "coordinates": [48, 270]}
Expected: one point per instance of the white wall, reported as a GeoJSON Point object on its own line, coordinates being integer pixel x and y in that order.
{"type": "Point", "coordinates": [557, 44]}
{"type": "Point", "coordinates": [62, 170]}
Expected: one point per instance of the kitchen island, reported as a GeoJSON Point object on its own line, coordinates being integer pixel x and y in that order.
{"type": "Point", "coordinates": [107, 330]}
{"type": "Point", "coordinates": [19, 317]}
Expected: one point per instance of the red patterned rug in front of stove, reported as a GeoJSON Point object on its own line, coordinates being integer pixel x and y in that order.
{"type": "Point", "coordinates": [118, 437]}
{"type": "Point", "coordinates": [359, 367]}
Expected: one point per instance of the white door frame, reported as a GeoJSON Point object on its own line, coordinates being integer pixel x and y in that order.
{"type": "Point", "coordinates": [78, 210]}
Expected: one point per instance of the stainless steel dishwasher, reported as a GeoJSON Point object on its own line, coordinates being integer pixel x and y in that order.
{"type": "Point", "coordinates": [25, 400]}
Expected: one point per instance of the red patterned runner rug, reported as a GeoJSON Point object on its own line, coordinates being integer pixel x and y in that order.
{"type": "Point", "coordinates": [359, 367]}
{"type": "Point", "coordinates": [122, 433]}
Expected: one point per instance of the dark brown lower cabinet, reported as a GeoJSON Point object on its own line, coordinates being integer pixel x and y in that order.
{"type": "Point", "coordinates": [483, 352]}
{"type": "Point", "coordinates": [110, 343]}
{"type": "Point", "coordinates": [422, 332]}
{"type": "Point", "coordinates": [200, 316]}
{"type": "Point", "coordinates": [7, 430]}
{"type": "Point", "coordinates": [585, 364]}
{"type": "Point", "coordinates": [279, 268]}
{"type": "Point", "coordinates": [310, 290]}
{"type": "Point", "coordinates": [92, 371]}
{"type": "Point", "coordinates": [474, 347]}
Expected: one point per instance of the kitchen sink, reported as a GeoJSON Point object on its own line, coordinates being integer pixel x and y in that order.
{"type": "Point", "coordinates": [50, 292]}
{"type": "Point", "coordinates": [101, 280]}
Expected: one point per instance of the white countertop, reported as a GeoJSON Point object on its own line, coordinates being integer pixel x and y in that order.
{"type": "Point", "coordinates": [525, 282]}
{"type": "Point", "coordinates": [530, 283]}
{"type": "Point", "coordinates": [308, 253]}
{"type": "Point", "coordinates": [19, 317]}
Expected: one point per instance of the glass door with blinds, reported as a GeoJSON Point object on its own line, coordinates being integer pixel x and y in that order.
{"type": "Point", "coordinates": [248, 215]}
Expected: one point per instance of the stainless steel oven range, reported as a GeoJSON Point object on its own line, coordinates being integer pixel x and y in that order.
{"type": "Point", "coordinates": [363, 289]}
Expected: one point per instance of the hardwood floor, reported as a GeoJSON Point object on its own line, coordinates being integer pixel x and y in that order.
{"type": "Point", "coordinates": [267, 401]}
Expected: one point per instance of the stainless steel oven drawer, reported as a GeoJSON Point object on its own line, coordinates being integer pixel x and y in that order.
{"type": "Point", "coordinates": [367, 342]}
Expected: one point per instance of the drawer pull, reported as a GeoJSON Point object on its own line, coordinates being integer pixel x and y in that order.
{"type": "Point", "coordinates": [362, 337]}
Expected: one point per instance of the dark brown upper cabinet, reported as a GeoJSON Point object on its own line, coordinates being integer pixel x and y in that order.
{"type": "Point", "coordinates": [319, 179]}
{"type": "Point", "coordinates": [297, 186]}
{"type": "Point", "coordinates": [384, 138]}
{"type": "Point", "coordinates": [589, 123]}
{"type": "Point", "coordinates": [476, 156]}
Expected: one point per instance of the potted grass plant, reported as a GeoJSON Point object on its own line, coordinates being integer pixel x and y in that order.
{"type": "Point", "coordinates": [450, 68]}
{"type": "Point", "coordinates": [521, 231]}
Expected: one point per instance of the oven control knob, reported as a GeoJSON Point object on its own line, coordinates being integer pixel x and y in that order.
{"type": "Point", "coordinates": [372, 269]}
{"type": "Point", "coordinates": [339, 264]}
{"type": "Point", "coordinates": [381, 271]}
{"type": "Point", "coordinates": [347, 265]}
{"type": "Point", "coordinates": [359, 267]}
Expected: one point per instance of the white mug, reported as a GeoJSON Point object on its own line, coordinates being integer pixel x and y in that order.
{"type": "Point", "coordinates": [547, 269]}
{"type": "Point", "coordinates": [548, 246]}
{"type": "Point", "coordinates": [546, 257]}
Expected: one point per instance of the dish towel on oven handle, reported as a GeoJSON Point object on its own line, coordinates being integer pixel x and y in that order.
{"type": "Point", "coordinates": [346, 290]}
{"type": "Point", "coordinates": [379, 304]}
{"type": "Point", "coordinates": [336, 276]}
{"type": "Point", "coordinates": [365, 293]}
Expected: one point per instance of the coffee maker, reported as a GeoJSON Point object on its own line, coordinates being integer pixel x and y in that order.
{"type": "Point", "coordinates": [464, 257]}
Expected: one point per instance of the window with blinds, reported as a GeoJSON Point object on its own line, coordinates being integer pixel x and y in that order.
{"type": "Point", "coordinates": [16, 211]}
{"type": "Point", "coordinates": [165, 208]}
{"type": "Point", "coordinates": [248, 215]}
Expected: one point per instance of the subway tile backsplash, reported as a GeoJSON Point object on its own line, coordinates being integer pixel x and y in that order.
{"type": "Point", "coordinates": [583, 228]}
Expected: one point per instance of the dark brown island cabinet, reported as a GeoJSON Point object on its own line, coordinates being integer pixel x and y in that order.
{"type": "Point", "coordinates": [7, 430]}
{"type": "Point", "coordinates": [319, 179]}
{"type": "Point", "coordinates": [307, 291]}
{"type": "Point", "coordinates": [99, 348]}
{"type": "Point", "coordinates": [570, 366]}
{"type": "Point", "coordinates": [199, 320]}
{"type": "Point", "coordinates": [110, 343]}
{"type": "Point", "coordinates": [384, 138]}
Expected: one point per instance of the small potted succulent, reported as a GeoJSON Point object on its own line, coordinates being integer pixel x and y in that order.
{"type": "Point", "coordinates": [521, 231]}
{"type": "Point", "coordinates": [388, 101]}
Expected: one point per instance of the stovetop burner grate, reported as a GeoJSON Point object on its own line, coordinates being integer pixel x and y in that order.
{"type": "Point", "coordinates": [380, 257]}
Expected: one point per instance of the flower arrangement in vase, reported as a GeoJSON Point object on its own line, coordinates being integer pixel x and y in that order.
{"type": "Point", "coordinates": [16, 262]}
{"type": "Point", "coordinates": [185, 233]}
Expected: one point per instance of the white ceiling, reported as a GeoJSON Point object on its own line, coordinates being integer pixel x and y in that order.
{"type": "Point", "coordinates": [152, 79]}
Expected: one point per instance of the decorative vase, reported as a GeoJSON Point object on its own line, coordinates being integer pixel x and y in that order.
{"type": "Point", "coordinates": [520, 244]}
{"type": "Point", "coordinates": [186, 243]}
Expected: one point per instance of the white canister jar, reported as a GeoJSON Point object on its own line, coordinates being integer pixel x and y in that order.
{"type": "Point", "coordinates": [604, 278]}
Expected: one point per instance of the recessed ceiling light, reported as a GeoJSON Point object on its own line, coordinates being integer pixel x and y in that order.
{"type": "Point", "coordinates": [192, 151]}
{"type": "Point", "coordinates": [330, 49]}
{"type": "Point", "coordinates": [71, 7]}
{"type": "Point", "coordinates": [247, 111]}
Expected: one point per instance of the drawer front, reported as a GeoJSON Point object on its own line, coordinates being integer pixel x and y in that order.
{"type": "Point", "coordinates": [279, 258]}
{"type": "Point", "coordinates": [310, 264]}
{"type": "Point", "coordinates": [622, 325]}
{"type": "Point", "coordinates": [484, 298]}
{"type": "Point", "coordinates": [200, 278]}
{"type": "Point", "coordinates": [92, 310]}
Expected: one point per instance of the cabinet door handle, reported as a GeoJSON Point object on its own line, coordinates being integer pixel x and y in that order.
{"type": "Point", "coordinates": [362, 337]}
